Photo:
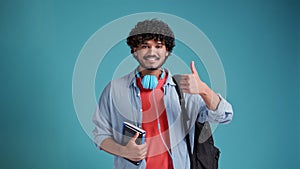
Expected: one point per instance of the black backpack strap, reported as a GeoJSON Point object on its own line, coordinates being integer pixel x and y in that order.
{"type": "Point", "coordinates": [204, 154]}
{"type": "Point", "coordinates": [185, 119]}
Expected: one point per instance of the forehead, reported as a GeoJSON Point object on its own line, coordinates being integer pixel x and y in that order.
{"type": "Point", "coordinates": [149, 42]}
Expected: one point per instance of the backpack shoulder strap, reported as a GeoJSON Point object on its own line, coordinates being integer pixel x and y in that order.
{"type": "Point", "coordinates": [203, 139]}
{"type": "Point", "coordinates": [185, 117]}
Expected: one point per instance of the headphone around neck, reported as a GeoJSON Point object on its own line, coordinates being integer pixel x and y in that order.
{"type": "Point", "coordinates": [150, 81]}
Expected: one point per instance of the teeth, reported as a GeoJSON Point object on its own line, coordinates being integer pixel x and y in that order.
{"type": "Point", "coordinates": [151, 59]}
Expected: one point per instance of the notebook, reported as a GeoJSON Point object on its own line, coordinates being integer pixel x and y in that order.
{"type": "Point", "coordinates": [129, 130]}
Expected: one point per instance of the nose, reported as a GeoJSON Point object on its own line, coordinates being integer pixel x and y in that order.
{"type": "Point", "coordinates": [151, 50]}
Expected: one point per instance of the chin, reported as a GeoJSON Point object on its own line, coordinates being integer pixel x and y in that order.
{"type": "Point", "coordinates": [153, 68]}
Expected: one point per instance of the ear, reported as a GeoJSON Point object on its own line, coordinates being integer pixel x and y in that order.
{"type": "Point", "coordinates": [134, 53]}
{"type": "Point", "coordinates": [167, 53]}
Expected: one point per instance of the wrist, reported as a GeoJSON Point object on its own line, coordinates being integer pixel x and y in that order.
{"type": "Point", "coordinates": [204, 90]}
{"type": "Point", "coordinates": [123, 151]}
{"type": "Point", "coordinates": [210, 98]}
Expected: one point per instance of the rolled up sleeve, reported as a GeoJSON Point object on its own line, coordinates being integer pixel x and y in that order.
{"type": "Point", "coordinates": [102, 120]}
{"type": "Point", "coordinates": [223, 114]}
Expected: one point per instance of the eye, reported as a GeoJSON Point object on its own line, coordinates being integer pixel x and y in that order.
{"type": "Point", "coordinates": [159, 46]}
{"type": "Point", "coordinates": [144, 46]}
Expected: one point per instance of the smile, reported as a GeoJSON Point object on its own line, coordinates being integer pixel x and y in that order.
{"type": "Point", "coordinates": [151, 58]}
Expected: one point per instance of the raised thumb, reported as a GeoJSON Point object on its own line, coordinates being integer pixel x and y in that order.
{"type": "Point", "coordinates": [193, 68]}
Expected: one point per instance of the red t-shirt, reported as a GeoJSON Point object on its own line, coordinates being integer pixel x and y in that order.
{"type": "Point", "coordinates": [157, 155]}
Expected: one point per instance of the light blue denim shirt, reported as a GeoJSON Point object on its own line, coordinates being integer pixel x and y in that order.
{"type": "Point", "coordinates": [120, 101]}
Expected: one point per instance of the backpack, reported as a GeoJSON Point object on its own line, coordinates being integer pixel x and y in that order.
{"type": "Point", "coordinates": [204, 155]}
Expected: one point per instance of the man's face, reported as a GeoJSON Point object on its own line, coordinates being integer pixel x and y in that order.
{"type": "Point", "coordinates": [151, 54]}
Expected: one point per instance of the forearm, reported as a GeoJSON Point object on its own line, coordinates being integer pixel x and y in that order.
{"type": "Point", "coordinates": [112, 147]}
{"type": "Point", "coordinates": [210, 98]}
{"type": "Point", "coordinates": [131, 151]}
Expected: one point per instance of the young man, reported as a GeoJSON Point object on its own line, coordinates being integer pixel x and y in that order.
{"type": "Point", "coordinates": [147, 98]}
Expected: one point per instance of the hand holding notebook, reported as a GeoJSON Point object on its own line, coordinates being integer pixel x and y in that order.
{"type": "Point", "coordinates": [134, 141]}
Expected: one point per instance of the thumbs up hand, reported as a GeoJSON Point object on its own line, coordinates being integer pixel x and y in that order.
{"type": "Point", "coordinates": [191, 83]}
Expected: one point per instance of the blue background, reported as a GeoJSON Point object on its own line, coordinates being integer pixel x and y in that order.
{"type": "Point", "coordinates": [258, 43]}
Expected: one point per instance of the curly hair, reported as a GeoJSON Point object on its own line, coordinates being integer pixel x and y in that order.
{"type": "Point", "coordinates": [151, 30]}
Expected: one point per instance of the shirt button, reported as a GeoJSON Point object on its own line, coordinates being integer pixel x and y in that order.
{"type": "Point", "coordinates": [141, 110]}
{"type": "Point", "coordinates": [138, 94]}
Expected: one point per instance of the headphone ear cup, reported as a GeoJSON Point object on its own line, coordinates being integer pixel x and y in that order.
{"type": "Point", "coordinates": [146, 81]}
{"type": "Point", "coordinates": [153, 82]}
{"type": "Point", "coordinates": [149, 82]}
